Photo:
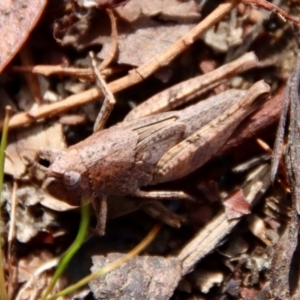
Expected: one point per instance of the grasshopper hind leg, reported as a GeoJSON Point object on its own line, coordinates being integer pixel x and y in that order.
{"type": "Point", "coordinates": [100, 206]}
{"type": "Point", "coordinates": [163, 195]}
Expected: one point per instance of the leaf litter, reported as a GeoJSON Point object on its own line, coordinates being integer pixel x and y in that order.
{"type": "Point", "coordinates": [229, 248]}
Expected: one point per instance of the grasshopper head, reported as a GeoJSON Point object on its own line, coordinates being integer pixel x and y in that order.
{"type": "Point", "coordinates": [66, 178]}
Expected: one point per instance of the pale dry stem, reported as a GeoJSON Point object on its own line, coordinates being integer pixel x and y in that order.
{"type": "Point", "coordinates": [134, 77]}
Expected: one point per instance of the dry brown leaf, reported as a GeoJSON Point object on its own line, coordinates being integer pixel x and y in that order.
{"type": "Point", "coordinates": [145, 39]}
{"type": "Point", "coordinates": [139, 39]}
{"type": "Point", "coordinates": [143, 277]}
{"type": "Point", "coordinates": [28, 142]}
{"type": "Point", "coordinates": [168, 10]}
{"type": "Point", "coordinates": [17, 19]}
{"type": "Point", "coordinates": [236, 205]}
{"type": "Point", "coordinates": [32, 273]}
{"type": "Point", "coordinates": [31, 219]}
{"type": "Point", "coordinates": [29, 264]}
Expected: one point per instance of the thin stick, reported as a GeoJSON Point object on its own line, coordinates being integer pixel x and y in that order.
{"type": "Point", "coordinates": [47, 70]}
{"type": "Point", "coordinates": [272, 7]}
{"type": "Point", "coordinates": [109, 100]}
{"type": "Point", "coordinates": [287, 98]}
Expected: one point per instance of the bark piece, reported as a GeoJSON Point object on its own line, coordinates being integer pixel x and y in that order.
{"type": "Point", "coordinates": [143, 277]}
{"type": "Point", "coordinates": [281, 258]}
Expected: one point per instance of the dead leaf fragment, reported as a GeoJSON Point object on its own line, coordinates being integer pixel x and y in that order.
{"type": "Point", "coordinates": [167, 10]}
{"type": "Point", "coordinates": [144, 39]}
{"type": "Point", "coordinates": [28, 265]}
{"type": "Point", "coordinates": [28, 142]}
{"type": "Point", "coordinates": [140, 37]}
{"type": "Point", "coordinates": [32, 272]}
{"type": "Point", "coordinates": [236, 205]}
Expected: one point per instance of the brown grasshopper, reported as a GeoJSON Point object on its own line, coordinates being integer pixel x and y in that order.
{"type": "Point", "coordinates": [133, 154]}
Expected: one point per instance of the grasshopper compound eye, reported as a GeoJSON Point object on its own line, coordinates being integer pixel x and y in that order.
{"type": "Point", "coordinates": [71, 179]}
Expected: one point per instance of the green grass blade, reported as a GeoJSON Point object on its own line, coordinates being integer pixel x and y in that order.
{"type": "Point", "coordinates": [3, 292]}
{"type": "Point", "coordinates": [83, 228]}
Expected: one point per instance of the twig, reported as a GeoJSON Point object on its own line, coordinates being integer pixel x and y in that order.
{"type": "Point", "coordinates": [289, 92]}
{"type": "Point", "coordinates": [109, 99]}
{"type": "Point", "coordinates": [272, 7]}
{"type": "Point", "coordinates": [47, 70]}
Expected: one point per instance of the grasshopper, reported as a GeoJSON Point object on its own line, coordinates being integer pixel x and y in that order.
{"type": "Point", "coordinates": [121, 160]}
